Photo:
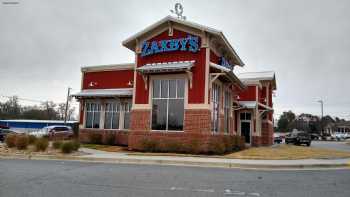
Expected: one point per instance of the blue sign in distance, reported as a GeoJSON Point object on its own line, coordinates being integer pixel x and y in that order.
{"type": "Point", "coordinates": [190, 43]}
{"type": "Point", "coordinates": [225, 63]}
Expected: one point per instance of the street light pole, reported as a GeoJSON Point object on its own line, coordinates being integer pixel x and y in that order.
{"type": "Point", "coordinates": [321, 102]}
{"type": "Point", "coordinates": [67, 103]}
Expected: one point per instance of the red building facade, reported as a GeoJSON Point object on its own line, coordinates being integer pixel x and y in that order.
{"type": "Point", "coordinates": [181, 88]}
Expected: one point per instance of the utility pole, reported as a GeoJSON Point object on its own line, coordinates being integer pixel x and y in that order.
{"type": "Point", "coordinates": [67, 103]}
{"type": "Point", "coordinates": [321, 102]}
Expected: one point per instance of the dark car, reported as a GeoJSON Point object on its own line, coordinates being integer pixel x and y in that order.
{"type": "Point", "coordinates": [298, 138]}
{"type": "Point", "coordinates": [315, 136]}
{"type": "Point", "coordinates": [3, 133]}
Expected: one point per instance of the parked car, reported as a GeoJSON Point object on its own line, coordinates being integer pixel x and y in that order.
{"type": "Point", "coordinates": [3, 133]}
{"type": "Point", "coordinates": [338, 136]}
{"type": "Point", "coordinates": [277, 138]}
{"type": "Point", "coordinates": [327, 137]}
{"type": "Point", "coordinates": [315, 136]}
{"type": "Point", "coordinates": [298, 138]}
{"type": "Point", "coordinates": [58, 131]}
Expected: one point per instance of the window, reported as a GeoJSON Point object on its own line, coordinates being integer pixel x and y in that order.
{"type": "Point", "coordinates": [215, 112]}
{"type": "Point", "coordinates": [227, 111]}
{"type": "Point", "coordinates": [112, 115]}
{"type": "Point", "coordinates": [168, 104]}
{"type": "Point", "coordinates": [245, 116]}
{"type": "Point", "coordinates": [93, 111]}
{"type": "Point", "coordinates": [126, 106]}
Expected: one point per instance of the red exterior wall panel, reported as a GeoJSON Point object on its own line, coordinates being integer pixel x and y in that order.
{"type": "Point", "coordinates": [108, 79]}
{"type": "Point", "coordinates": [248, 94]}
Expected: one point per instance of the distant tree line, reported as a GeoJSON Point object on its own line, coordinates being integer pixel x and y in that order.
{"type": "Point", "coordinates": [11, 109]}
{"type": "Point", "coordinates": [288, 121]}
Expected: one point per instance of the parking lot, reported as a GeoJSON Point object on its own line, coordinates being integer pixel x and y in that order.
{"type": "Point", "coordinates": [341, 146]}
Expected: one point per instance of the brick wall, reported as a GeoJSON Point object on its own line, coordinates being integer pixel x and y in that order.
{"type": "Point", "coordinates": [121, 137]}
{"type": "Point", "coordinates": [197, 121]}
{"type": "Point", "coordinates": [266, 134]}
{"type": "Point", "coordinates": [256, 140]}
{"type": "Point", "coordinates": [140, 120]}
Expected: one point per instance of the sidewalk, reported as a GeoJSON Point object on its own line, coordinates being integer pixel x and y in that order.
{"type": "Point", "coordinates": [96, 155]}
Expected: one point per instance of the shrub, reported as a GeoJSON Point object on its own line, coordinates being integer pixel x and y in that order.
{"type": "Point", "coordinates": [149, 145]}
{"type": "Point", "coordinates": [229, 143]}
{"type": "Point", "coordinates": [32, 139]}
{"type": "Point", "coordinates": [57, 144]}
{"type": "Point", "coordinates": [216, 146]}
{"type": "Point", "coordinates": [95, 138]}
{"type": "Point", "coordinates": [67, 147]}
{"type": "Point", "coordinates": [22, 142]}
{"type": "Point", "coordinates": [76, 145]}
{"type": "Point", "coordinates": [173, 146]}
{"type": "Point", "coordinates": [41, 144]}
{"type": "Point", "coordinates": [110, 139]}
{"type": "Point", "coordinates": [10, 140]}
{"type": "Point", "coordinates": [193, 147]}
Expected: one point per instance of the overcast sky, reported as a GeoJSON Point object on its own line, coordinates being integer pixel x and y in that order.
{"type": "Point", "coordinates": [44, 43]}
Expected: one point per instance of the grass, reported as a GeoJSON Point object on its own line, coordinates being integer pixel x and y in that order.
{"type": "Point", "coordinates": [291, 152]}
{"type": "Point", "coordinates": [279, 152]}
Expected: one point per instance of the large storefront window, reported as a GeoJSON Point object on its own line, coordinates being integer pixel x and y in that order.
{"type": "Point", "coordinates": [93, 111]}
{"type": "Point", "coordinates": [168, 104]}
{"type": "Point", "coordinates": [112, 115]}
{"type": "Point", "coordinates": [227, 111]}
{"type": "Point", "coordinates": [215, 112]}
{"type": "Point", "coordinates": [126, 113]}
{"type": "Point", "coordinates": [116, 114]}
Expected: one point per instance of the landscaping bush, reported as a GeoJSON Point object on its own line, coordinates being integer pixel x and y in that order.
{"type": "Point", "coordinates": [32, 139]}
{"type": "Point", "coordinates": [173, 146]}
{"type": "Point", "coordinates": [110, 139]}
{"type": "Point", "coordinates": [76, 145]}
{"type": "Point", "coordinates": [229, 143]}
{"type": "Point", "coordinates": [95, 138]}
{"type": "Point", "coordinates": [67, 147]}
{"type": "Point", "coordinates": [149, 145]}
{"type": "Point", "coordinates": [22, 142]}
{"type": "Point", "coordinates": [57, 144]}
{"type": "Point", "coordinates": [216, 146]}
{"type": "Point", "coordinates": [193, 147]}
{"type": "Point", "coordinates": [41, 144]}
{"type": "Point", "coordinates": [10, 140]}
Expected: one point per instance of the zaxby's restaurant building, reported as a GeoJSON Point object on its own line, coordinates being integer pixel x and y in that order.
{"type": "Point", "coordinates": [180, 87]}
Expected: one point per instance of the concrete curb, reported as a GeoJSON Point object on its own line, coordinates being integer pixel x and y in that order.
{"type": "Point", "coordinates": [178, 163]}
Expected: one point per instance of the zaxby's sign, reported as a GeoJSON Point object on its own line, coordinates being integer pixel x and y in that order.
{"type": "Point", "coordinates": [190, 43]}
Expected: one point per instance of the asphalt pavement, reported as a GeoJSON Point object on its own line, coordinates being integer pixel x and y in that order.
{"type": "Point", "coordinates": [341, 145]}
{"type": "Point", "coordinates": [33, 178]}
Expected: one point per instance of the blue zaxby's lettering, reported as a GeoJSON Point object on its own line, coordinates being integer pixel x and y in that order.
{"type": "Point", "coordinates": [190, 43]}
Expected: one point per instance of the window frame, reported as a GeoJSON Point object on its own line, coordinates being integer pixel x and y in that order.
{"type": "Point", "coordinates": [101, 111]}
{"type": "Point", "coordinates": [184, 98]}
{"type": "Point", "coordinates": [215, 124]}
{"type": "Point", "coordinates": [227, 110]}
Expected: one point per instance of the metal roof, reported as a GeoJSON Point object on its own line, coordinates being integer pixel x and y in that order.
{"type": "Point", "coordinates": [120, 92]}
{"type": "Point", "coordinates": [248, 104]}
{"type": "Point", "coordinates": [258, 76]}
{"type": "Point", "coordinates": [229, 74]}
{"type": "Point", "coordinates": [127, 66]}
{"type": "Point", "coordinates": [165, 67]}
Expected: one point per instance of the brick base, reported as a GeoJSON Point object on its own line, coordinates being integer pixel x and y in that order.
{"type": "Point", "coordinates": [256, 140]}
{"type": "Point", "coordinates": [121, 137]}
{"type": "Point", "coordinates": [267, 134]}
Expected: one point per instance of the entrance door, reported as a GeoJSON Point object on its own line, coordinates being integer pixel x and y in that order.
{"type": "Point", "coordinates": [245, 125]}
{"type": "Point", "coordinates": [245, 130]}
